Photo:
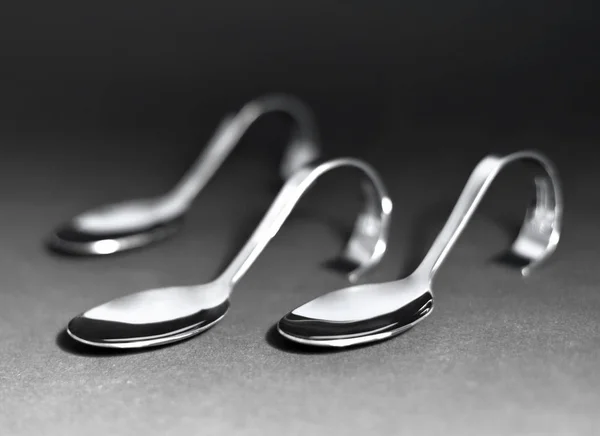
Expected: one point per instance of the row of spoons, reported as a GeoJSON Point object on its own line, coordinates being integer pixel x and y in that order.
{"type": "Point", "coordinates": [345, 317]}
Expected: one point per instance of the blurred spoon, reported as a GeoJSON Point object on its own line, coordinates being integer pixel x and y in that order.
{"type": "Point", "coordinates": [159, 316]}
{"type": "Point", "coordinates": [373, 312]}
{"type": "Point", "coordinates": [135, 223]}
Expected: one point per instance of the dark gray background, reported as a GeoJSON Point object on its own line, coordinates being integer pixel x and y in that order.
{"type": "Point", "coordinates": [106, 102]}
{"type": "Point", "coordinates": [133, 65]}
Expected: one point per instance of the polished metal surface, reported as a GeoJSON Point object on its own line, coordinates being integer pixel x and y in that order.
{"type": "Point", "coordinates": [136, 223]}
{"type": "Point", "coordinates": [164, 315]}
{"type": "Point", "coordinates": [372, 312]}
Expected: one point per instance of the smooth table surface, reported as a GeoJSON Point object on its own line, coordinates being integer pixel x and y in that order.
{"type": "Point", "coordinates": [500, 354]}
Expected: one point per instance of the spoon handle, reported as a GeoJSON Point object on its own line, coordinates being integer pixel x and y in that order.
{"type": "Point", "coordinates": [367, 243]}
{"type": "Point", "coordinates": [540, 232]}
{"type": "Point", "coordinates": [302, 149]}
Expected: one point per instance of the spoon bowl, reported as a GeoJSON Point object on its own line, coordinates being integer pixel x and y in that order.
{"type": "Point", "coordinates": [117, 227]}
{"type": "Point", "coordinates": [151, 318]}
{"type": "Point", "coordinates": [358, 314]}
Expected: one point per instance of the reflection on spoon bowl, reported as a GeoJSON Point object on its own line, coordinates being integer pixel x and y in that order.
{"type": "Point", "coordinates": [357, 314]}
{"type": "Point", "coordinates": [119, 227]}
{"type": "Point", "coordinates": [150, 318]}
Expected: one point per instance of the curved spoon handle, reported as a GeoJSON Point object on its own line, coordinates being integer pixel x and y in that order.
{"type": "Point", "coordinates": [302, 149]}
{"type": "Point", "coordinates": [540, 232]}
{"type": "Point", "coordinates": [368, 241]}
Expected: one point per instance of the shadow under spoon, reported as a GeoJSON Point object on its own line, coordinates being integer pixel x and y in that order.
{"type": "Point", "coordinates": [372, 312]}
{"type": "Point", "coordinates": [136, 223]}
{"type": "Point", "coordinates": [160, 316]}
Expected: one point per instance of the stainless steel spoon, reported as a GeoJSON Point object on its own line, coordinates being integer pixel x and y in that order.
{"type": "Point", "coordinates": [136, 223]}
{"type": "Point", "coordinates": [159, 316]}
{"type": "Point", "coordinates": [373, 312]}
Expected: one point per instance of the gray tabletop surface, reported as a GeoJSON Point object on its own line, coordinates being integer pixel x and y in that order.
{"type": "Point", "coordinates": [500, 355]}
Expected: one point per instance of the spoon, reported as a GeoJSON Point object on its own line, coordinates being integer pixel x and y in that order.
{"type": "Point", "coordinates": [136, 223]}
{"type": "Point", "coordinates": [372, 312]}
{"type": "Point", "coordinates": [159, 316]}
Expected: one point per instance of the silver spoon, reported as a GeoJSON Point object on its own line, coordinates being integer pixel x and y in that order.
{"type": "Point", "coordinates": [372, 312]}
{"type": "Point", "coordinates": [136, 223]}
{"type": "Point", "coordinates": [159, 316]}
